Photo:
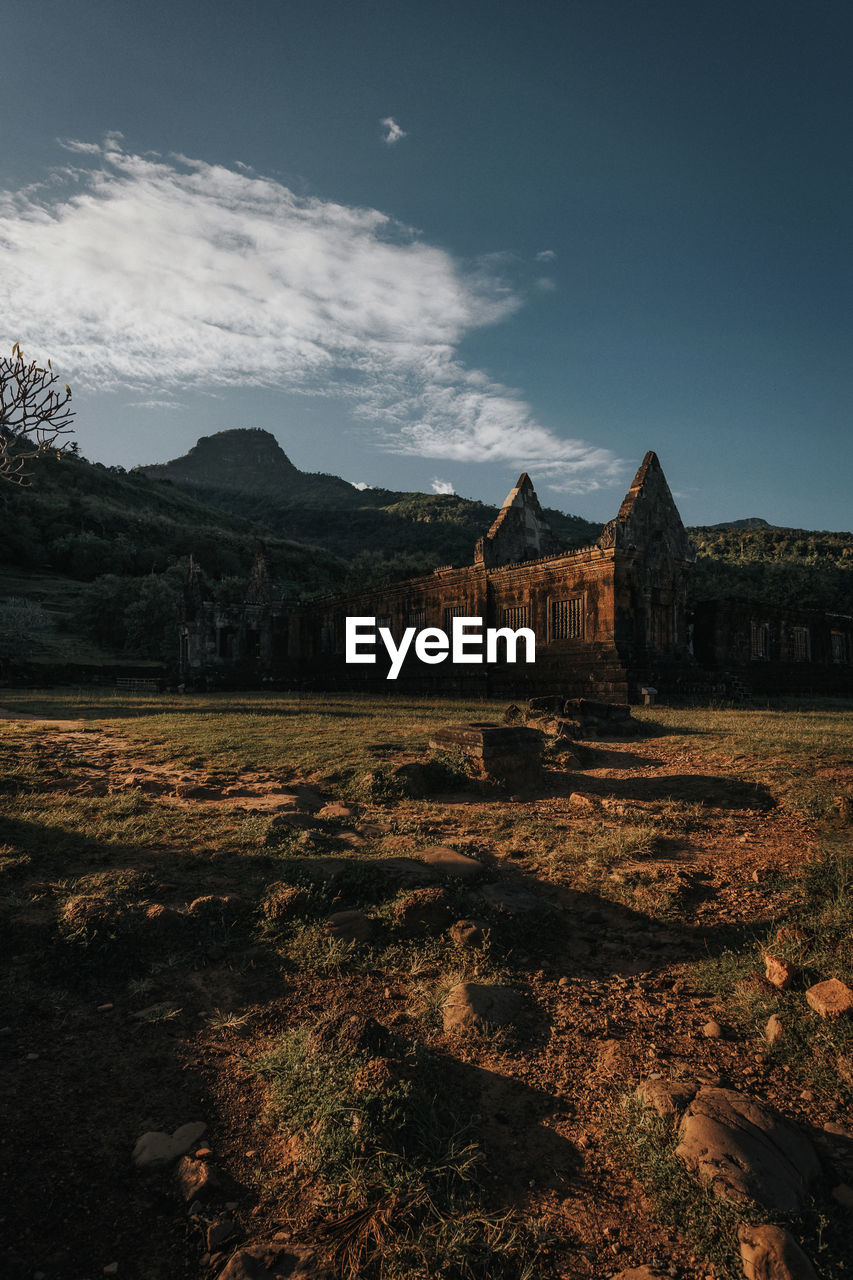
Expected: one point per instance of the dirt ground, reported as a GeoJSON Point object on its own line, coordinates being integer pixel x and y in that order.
{"type": "Point", "coordinates": [611, 990]}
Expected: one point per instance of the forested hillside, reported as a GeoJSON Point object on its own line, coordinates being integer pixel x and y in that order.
{"type": "Point", "coordinates": [797, 567]}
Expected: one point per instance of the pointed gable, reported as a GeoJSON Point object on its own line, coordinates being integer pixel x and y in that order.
{"type": "Point", "coordinates": [648, 515]}
{"type": "Point", "coordinates": [520, 532]}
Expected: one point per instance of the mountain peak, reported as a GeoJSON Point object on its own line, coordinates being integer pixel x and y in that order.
{"type": "Point", "coordinates": [239, 458]}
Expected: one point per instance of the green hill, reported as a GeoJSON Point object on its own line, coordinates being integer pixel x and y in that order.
{"type": "Point", "coordinates": [802, 568]}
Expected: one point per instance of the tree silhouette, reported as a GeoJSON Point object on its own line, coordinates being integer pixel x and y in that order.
{"type": "Point", "coordinates": [34, 414]}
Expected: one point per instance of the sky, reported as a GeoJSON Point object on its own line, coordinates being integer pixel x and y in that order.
{"type": "Point", "coordinates": [429, 245]}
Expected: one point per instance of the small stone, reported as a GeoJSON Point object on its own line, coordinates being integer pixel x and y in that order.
{"type": "Point", "coordinates": [712, 1031]}
{"type": "Point", "coordinates": [348, 926]}
{"type": "Point", "coordinates": [830, 998]}
{"type": "Point", "coordinates": [771, 1253]}
{"type": "Point", "coordinates": [843, 1194]}
{"type": "Point", "coordinates": [563, 982]}
{"type": "Point", "coordinates": [32, 1057]}
{"type": "Point", "coordinates": [475, 1006]}
{"type": "Point", "coordinates": [667, 1098]}
{"type": "Point", "coordinates": [156, 1150]}
{"type": "Point", "coordinates": [448, 862]}
{"type": "Point", "coordinates": [778, 972]}
{"type": "Point", "coordinates": [111, 1269]}
{"type": "Point", "coordinates": [774, 1030]}
{"type": "Point", "coordinates": [104, 1008]}
{"type": "Point", "coordinates": [198, 1180]}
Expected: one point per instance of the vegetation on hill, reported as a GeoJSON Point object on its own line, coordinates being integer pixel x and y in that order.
{"type": "Point", "coordinates": [794, 567]}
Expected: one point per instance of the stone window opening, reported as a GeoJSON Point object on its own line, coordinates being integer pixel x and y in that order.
{"type": "Point", "coordinates": [416, 618]}
{"type": "Point", "coordinates": [838, 646]}
{"type": "Point", "coordinates": [801, 644]}
{"type": "Point", "coordinates": [452, 611]}
{"type": "Point", "coordinates": [759, 643]}
{"type": "Point", "coordinates": [567, 618]}
{"type": "Point", "coordinates": [516, 616]}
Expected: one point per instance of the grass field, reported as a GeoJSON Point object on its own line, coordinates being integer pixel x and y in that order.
{"type": "Point", "coordinates": [170, 865]}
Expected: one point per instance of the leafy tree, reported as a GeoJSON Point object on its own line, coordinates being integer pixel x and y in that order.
{"type": "Point", "coordinates": [21, 623]}
{"type": "Point", "coordinates": [34, 415]}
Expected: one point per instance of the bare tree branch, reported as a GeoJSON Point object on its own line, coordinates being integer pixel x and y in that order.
{"type": "Point", "coordinates": [34, 414]}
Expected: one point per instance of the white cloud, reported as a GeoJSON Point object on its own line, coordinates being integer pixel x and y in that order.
{"type": "Point", "coordinates": [157, 275]}
{"type": "Point", "coordinates": [545, 284]}
{"type": "Point", "coordinates": [546, 255]}
{"type": "Point", "coordinates": [442, 486]}
{"type": "Point", "coordinates": [154, 404]}
{"type": "Point", "coordinates": [361, 485]}
{"type": "Point", "coordinates": [393, 132]}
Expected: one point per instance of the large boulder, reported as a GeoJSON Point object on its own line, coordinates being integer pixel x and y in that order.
{"type": "Point", "coordinates": [747, 1151]}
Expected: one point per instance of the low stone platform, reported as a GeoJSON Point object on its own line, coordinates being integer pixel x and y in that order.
{"type": "Point", "coordinates": [511, 754]}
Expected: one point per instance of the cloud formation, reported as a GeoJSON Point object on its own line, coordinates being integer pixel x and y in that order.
{"type": "Point", "coordinates": [393, 132]}
{"type": "Point", "coordinates": [442, 486]}
{"type": "Point", "coordinates": [157, 275]}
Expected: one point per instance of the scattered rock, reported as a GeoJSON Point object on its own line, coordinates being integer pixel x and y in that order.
{"type": "Point", "coordinates": [780, 973]}
{"type": "Point", "coordinates": [275, 1259]}
{"type": "Point", "coordinates": [712, 1031]}
{"type": "Point", "coordinates": [747, 1151]}
{"type": "Point", "coordinates": [774, 1030]}
{"type": "Point", "coordinates": [830, 998]}
{"type": "Point", "coordinates": [468, 933]}
{"type": "Point", "coordinates": [111, 1269]}
{"type": "Point", "coordinates": [405, 873]}
{"type": "Point", "coordinates": [475, 1006]}
{"type": "Point", "coordinates": [772, 1253]}
{"type": "Point", "coordinates": [349, 926]}
{"type": "Point", "coordinates": [667, 1097]}
{"type": "Point", "coordinates": [423, 911]}
{"type": "Point", "coordinates": [337, 809]}
{"type": "Point", "coordinates": [512, 900]}
{"type": "Point", "coordinates": [199, 1180]}
{"type": "Point", "coordinates": [447, 862]}
{"type": "Point", "coordinates": [156, 1150]}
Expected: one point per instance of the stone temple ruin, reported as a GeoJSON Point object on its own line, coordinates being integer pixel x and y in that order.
{"type": "Point", "coordinates": [608, 618]}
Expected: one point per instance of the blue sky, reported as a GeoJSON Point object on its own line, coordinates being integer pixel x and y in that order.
{"type": "Point", "coordinates": [431, 244]}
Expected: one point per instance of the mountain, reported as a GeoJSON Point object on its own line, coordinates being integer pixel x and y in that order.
{"type": "Point", "coordinates": [750, 522]}
{"type": "Point", "coordinates": [247, 473]}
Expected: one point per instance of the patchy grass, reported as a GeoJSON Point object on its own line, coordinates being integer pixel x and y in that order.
{"type": "Point", "coordinates": [398, 1165]}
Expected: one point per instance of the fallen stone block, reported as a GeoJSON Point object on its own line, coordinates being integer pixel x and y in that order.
{"type": "Point", "coordinates": [830, 998]}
